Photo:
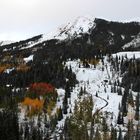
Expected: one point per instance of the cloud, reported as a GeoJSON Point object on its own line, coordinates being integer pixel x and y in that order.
{"type": "Point", "coordinates": [25, 18]}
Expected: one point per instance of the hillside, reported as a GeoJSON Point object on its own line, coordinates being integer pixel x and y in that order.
{"type": "Point", "coordinates": [80, 81]}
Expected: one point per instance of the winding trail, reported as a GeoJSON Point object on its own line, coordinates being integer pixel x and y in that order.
{"type": "Point", "coordinates": [98, 110]}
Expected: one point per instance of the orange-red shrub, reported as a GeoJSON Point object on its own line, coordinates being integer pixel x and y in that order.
{"type": "Point", "coordinates": [41, 88]}
{"type": "Point", "coordinates": [40, 97]}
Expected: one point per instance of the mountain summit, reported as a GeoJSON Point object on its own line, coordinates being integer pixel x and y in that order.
{"type": "Point", "coordinates": [72, 29]}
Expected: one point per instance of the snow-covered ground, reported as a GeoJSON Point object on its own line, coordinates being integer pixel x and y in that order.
{"type": "Point", "coordinates": [29, 58]}
{"type": "Point", "coordinates": [134, 43]}
{"type": "Point", "coordinates": [96, 80]}
{"type": "Point", "coordinates": [129, 55]}
{"type": "Point", "coordinates": [93, 79]}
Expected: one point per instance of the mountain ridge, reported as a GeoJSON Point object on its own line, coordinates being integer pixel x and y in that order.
{"type": "Point", "coordinates": [73, 29]}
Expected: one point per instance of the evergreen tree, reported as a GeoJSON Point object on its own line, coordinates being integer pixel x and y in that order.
{"type": "Point", "coordinates": [137, 117]}
{"type": "Point", "coordinates": [26, 132]}
{"type": "Point", "coordinates": [104, 125]}
{"type": "Point", "coordinates": [124, 102]}
{"type": "Point", "coordinates": [113, 134]}
{"type": "Point", "coordinates": [61, 137]}
{"type": "Point", "coordinates": [67, 90]}
{"type": "Point", "coordinates": [119, 91]}
{"type": "Point", "coordinates": [34, 134]}
{"type": "Point", "coordinates": [96, 94]}
{"type": "Point", "coordinates": [65, 104]}
{"type": "Point", "coordinates": [60, 114]}
{"type": "Point", "coordinates": [120, 118]}
{"type": "Point", "coordinates": [120, 137]}
{"type": "Point", "coordinates": [81, 91]}
{"type": "Point", "coordinates": [97, 135]}
{"type": "Point", "coordinates": [130, 99]}
{"type": "Point", "coordinates": [137, 132]}
{"type": "Point", "coordinates": [129, 133]}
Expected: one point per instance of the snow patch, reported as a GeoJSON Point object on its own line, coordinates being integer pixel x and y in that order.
{"type": "Point", "coordinates": [129, 55]}
{"type": "Point", "coordinates": [134, 43]}
{"type": "Point", "coordinates": [29, 58]}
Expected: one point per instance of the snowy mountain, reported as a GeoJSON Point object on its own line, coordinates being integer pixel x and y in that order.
{"type": "Point", "coordinates": [116, 35]}
{"type": "Point", "coordinates": [72, 29]}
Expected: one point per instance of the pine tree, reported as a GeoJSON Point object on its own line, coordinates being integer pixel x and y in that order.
{"type": "Point", "coordinates": [96, 94]}
{"type": "Point", "coordinates": [61, 137]}
{"type": "Point", "coordinates": [21, 132]}
{"type": "Point", "coordinates": [120, 118]}
{"type": "Point", "coordinates": [124, 102]}
{"type": "Point", "coordinates": [104, 124]}
{"type": "Point", "coordinates": [120, 137]}
{"type": "Point", "coordinates": [115, 89]}
{"type": "Point", "coordinates": [67, 90]}
{"type": "Point", "coordinates": [113, 134]}
{"type": "Point", "coordinates": [60, 114]}
{"type": "Point", "coordinates": [119, 91]}
{"type": "Point", "coordinates": [97, 135]}
{"type": "Point", "coordinates": [26, 132]}
{"type": "Point", "coordinates": [55, 137]}
{"type": "Point", "coordinates": [112, 89]}
{"type": "Point", "coordinates": [39, 121]}
{"type": "Point", "coordinates": [81, 91]}
{"type": "Point", "coordinates": [137, 132]}
{"type": "Point", "coordinates": [92, 129]}
{"type": "Point", "coordinates": [137, 117]}
{"type": "Point", "coordinates": [130, 99]}
{"type": "Point", "coordinates": [65, 104]}
{"type": "Point", "coordinates": [34, 134]}
{"type": "Point", "coordinates": [129, 133]}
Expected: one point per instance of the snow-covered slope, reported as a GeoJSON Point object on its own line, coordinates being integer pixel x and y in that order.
{"type": "Point", "coordinates": [134, 43]}
{"type": "Point", "coordinates": [129, 55]}
{"type": "Point", "coordinates": [93, 79]}
{"type": "Point", "coordinates": [72, 29]}
{"type": "Point", "coordinates": [6, 42]}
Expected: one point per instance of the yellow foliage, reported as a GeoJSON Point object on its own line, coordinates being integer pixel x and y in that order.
{"type": "Point", "coordinates": [49, 111]}
{"type": "Point", "coordinates": [34, 105]}
{"type": "Point", "coordinates": [3, 67]}
{"type": "Point", "coordinates": [50, 107]}
{"type": "Point", "coordinates": [23, 68]}
{"type": "Point", "coordinates": [94, 61]}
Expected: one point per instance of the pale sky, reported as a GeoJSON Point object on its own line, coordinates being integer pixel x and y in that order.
{"type": "Point", "coordinates": [20, 19]}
